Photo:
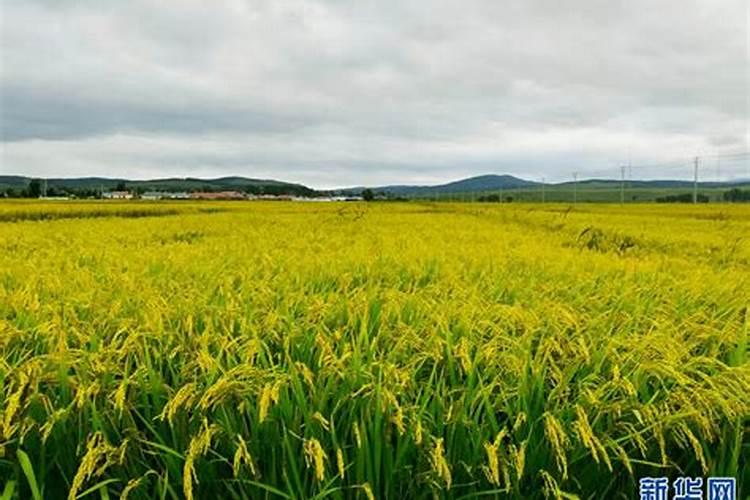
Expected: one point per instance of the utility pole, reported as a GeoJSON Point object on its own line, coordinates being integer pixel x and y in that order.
{"type": "Point", "coordinates": [630, 165]}
{"type": "Point", "coordinates": [543, 186]}
{"type": "Point", "coordinates": [718, 168]}
{"type": "Point", "coordinates": [44, 188]}
{"type": "Point", "coordinates": [575, 188]}
{"type": "Point", "coordinates": [622, 184]}
{"type": "Point", "coordinates": [695, 179]}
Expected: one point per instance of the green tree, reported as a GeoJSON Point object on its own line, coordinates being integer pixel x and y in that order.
{"type": "Point", "coordinates": [737, 195]}
{"type": "Point", "coordinates": [368, 195]}
{"type": "Point", "coordinates": [35, 189]}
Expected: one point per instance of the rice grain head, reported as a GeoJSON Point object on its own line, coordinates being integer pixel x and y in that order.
{"type": "Point", "coordinates": [368, 491]}
{"type": "Point", "coordinates": [439, 464]}
{"type": "Point", "coordinates": [99, 455]}
{"type": "Point", "coordinates": [199, 445]}
{"type": "Point", "coordinates": [242, 456]}
{"type": "Point", "coordinates": [340, 462]}
{"type": "Point", "coordinates": [558, 440]}
{"type": "Point", "coordinates": [182, 398]}
{"type": "Point", "coordinates": [315, 457]}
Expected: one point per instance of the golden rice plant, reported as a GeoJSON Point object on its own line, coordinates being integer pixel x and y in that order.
{"type": "Point", "coordinates": [394, 350]}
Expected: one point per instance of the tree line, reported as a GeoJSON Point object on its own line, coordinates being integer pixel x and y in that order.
{"type": "Point", "coordinates": [35, 189]}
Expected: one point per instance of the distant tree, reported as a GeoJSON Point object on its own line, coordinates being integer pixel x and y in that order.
{"type": "Point", "coordinates": [491, 198]}
{"type": "Point", "coordinates": [682, 198]}
{"type": "Point", "coordinates": [53, 191]}
{"type": "Point", "coordinates": [121, 186]}
{"type": "Point", "coordinates": [35, 189]}
{"type": "Point", "coordinates": [368, 195]}
{"type": "Point", "coordinates": [84, 192]}
{"type": "Point", "coordinates": [736, 194]}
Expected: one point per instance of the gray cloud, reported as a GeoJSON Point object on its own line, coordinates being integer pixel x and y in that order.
{"type": "Point", "coordinates": [334, 92]}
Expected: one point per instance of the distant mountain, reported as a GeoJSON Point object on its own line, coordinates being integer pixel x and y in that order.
{"type": "Point", "coordinates": [482, 183]}
{"type": "Point", "coordinates": [493, 182]}
{"type": "Point", "coordinates": [13, 182]}
{"type": "Point", "coordinates": [490, 182]}
{"type": "Point", "coordinates": [168, 184]}
{"type": "Point", "coordinates": [658, 183]}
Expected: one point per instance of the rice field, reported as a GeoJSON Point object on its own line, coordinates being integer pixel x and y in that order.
{"type": "Point", "coordinates": [384, 350]}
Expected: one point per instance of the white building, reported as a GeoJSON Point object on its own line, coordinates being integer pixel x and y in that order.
{"type": "Point", "coordinates": [117, 195]}
{"type": "Point", "coordinates": [163, 195]}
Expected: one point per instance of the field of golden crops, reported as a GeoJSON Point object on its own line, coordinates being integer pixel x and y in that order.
{"type": "Point", "coordinates": [309, 350]}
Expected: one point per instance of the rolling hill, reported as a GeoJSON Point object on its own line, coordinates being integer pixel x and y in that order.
{"type": "Point", "coordinates": [488, 182]}
{"type": "Point", "coordinates": [505, 185]}
{"type": "Point", "coordinates": [167, 184]}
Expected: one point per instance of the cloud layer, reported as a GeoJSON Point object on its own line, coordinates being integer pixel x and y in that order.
{"type": "Point", "coordinates": [334, 93]}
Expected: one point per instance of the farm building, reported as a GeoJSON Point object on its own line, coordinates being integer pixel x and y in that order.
{"type": "Point", "coordinates": [221, 195]}
{"type": "Point", "coordinates": [163, 195]}
{"type": "Point", "coordinates": [117, 195]}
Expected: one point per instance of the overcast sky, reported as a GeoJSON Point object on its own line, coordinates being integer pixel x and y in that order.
{"type": "Point", "coordinates": [339, 92]}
